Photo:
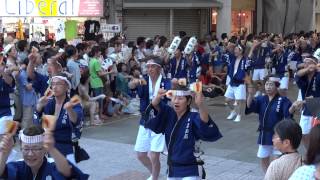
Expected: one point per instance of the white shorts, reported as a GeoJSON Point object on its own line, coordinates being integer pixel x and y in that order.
{"type": "Point", "coordinates": [147, 141]}
{"type": "Point", "coordinates": [259, 74]}
{"type": "Point", "coordinates": [184, 178]}
{"type": "Point", "coordinates": [305, 123]}
{"type": "Point", "coordinates": [236, 92]}
{"type": "Point", "coordinates": [265, 151]}
{"type": "Point", "coordinates": [284, 83]}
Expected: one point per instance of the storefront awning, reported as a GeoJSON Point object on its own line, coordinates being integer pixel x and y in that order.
{"type": "Point", "coordinates": [170, 4]}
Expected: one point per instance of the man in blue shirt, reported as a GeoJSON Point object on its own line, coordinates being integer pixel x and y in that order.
{"type": "Point", "coordinates": [73, 68]}
{"type": "Point", "coordinates": [28, 96]}
{"type": "Point", "coordinates": [148, 140]}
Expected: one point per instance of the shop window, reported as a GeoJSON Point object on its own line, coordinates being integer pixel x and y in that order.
{"type": "Point", "coordinates": [241, 21]}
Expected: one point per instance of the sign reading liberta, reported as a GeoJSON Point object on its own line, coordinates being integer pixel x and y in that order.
{"type": "Point", "coordinates": [51, 8]}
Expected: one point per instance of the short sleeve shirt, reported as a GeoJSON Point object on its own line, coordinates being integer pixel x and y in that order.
{"type": "Point", "coordinates": [94, 68]}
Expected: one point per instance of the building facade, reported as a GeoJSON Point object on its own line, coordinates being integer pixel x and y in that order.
{"type": "Point", "coordinates": [199, 17]}
{"type": "Point", "coordinates": [285, 16]}
{"type": "Point", "coordinates": [47, 19]}
{"type": "Point", "coordinates": [316, 16]}
{"type": "Point", "coordinates": [167, 17]}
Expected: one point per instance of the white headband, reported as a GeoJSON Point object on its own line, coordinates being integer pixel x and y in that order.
{"type": "Point", "coordinates": [182, 93]}
{"type": "Point", "coordinates": [152, 62]}
{"type": "Point", "coordinates": [30, 139]}
{"type": "Point", "coordinates": [179, 93]}
{"type": "Point", "coordinates": [64, 79]}
{"type": "Point", "coordinates": [310, 59]}
{"type": "Point", "coordinates": [305, 54]}
{"type": "Point", "coordinates": [274, 79]}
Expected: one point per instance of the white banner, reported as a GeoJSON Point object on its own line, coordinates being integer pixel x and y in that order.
{"type": "Point", "coordinates": [110, 28]}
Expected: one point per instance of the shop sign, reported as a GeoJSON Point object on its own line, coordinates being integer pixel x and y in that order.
{"type": "Point", "coordinates": [246, 5]}
{"type": "Point", "coordinates": [51, 8]}
{"type": "Point", "coordinates": [110, 28]}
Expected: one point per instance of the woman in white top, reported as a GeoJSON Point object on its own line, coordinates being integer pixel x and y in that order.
{"type": "Point", "coordinates": [308, 171]}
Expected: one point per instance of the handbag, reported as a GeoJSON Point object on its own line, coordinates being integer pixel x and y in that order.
{"type": "Point", "coordinates": [79, 153]}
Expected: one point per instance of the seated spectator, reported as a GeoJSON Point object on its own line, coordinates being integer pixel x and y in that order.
{"type": "Point", "coordinates": [88, 103]}
{"type": "Point", "coordinates": [112, 105]}
{"type": "Point", "coordinates": [133, 61]}
{"type": "Point", "coordinates": [308, 170]}
{"type": "Point", "coordinates": [286, 139]}
{"type": "Point", "coordinates": [149, 48]}
{"type": "Point", "coordinates": [133, 104]}
{"type": "Point", "coordinates": [205, 77]}
{"type": "Point", "coordinates": [162, 51]}
{"type": "Point", "coordinates": [122, 79]}
{"type": "Point", "coordinates": [210, 87]}
{"type": "Point", "coordinates": [136, 74]}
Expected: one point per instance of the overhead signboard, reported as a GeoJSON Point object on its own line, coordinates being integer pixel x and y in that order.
{"type": "Point", "coordinates": [110, 28]}
{"type": "Point", "coordinates": [51, 8]}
